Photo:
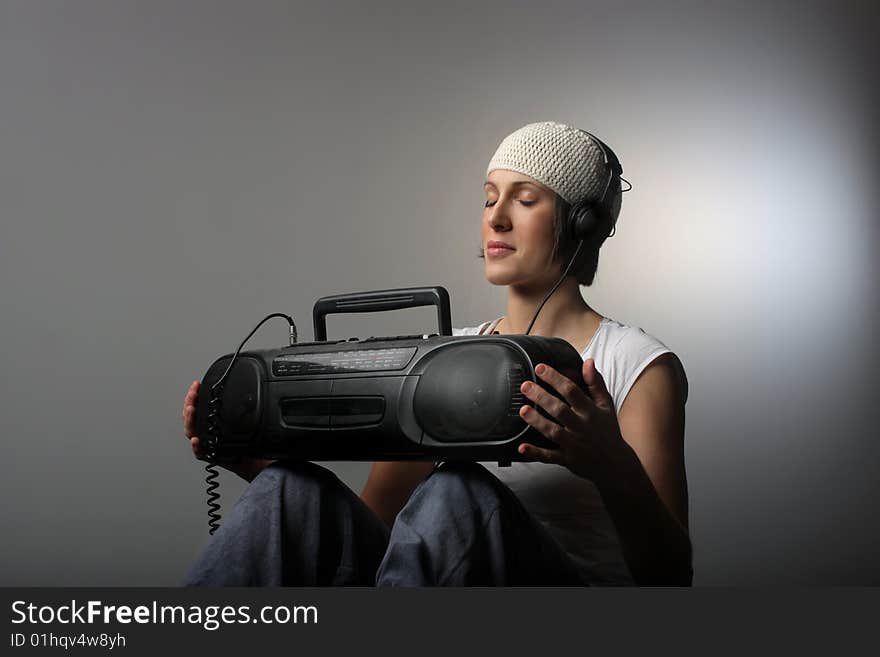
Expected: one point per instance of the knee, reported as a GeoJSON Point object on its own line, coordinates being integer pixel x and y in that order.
{"type": "Point", "coordinates": [293, 476]}
{"type": "Point", "coordinates": [461, 483]}
{"type": "Point", "coordinates": [462, 472]}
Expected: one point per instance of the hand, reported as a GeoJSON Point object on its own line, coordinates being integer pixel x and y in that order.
{"type": "Point", "coordinates": [189, 420]}
{"type": "Point", "coordinates": [584, 425]}
{"type": "Point", "coordinates": [247, 469]}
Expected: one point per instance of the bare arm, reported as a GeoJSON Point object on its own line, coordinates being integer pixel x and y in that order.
{"type": "Point", "coordinates": [645, 489]}
{"type": "Point", "coordinates": [635, 458]}
{"type": "Point", "coordinates": [390, 484]}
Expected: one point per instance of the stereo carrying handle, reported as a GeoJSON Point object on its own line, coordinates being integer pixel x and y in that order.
{"type": "Point", "coordinates": [379, 300]}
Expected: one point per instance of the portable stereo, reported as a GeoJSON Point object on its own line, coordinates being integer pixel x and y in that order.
{"type": "Point", "coordinates": [422, 397]}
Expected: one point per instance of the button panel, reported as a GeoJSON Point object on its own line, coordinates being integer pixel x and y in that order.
{"type": "Point", "coordinates": [332, 362]}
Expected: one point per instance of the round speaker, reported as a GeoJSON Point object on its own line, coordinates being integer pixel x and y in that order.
{"type": "Point", "coordinates": [469, 392]}
{"type": "Point", "coordinates": [240, 403]}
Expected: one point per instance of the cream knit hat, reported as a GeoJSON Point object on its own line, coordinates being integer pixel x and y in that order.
{"type": "Point", "coordinates": [564, 158]}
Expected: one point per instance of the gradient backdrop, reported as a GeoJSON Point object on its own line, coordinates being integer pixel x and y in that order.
{"type": "Point", "coordinates": [173, 172]}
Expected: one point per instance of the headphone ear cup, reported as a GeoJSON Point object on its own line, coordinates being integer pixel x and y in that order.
{"type": "Point", "coordinates": [582, 221]}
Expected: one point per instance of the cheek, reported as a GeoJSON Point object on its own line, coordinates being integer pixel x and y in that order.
{"type": "Point", "coordinates": [540, 235]}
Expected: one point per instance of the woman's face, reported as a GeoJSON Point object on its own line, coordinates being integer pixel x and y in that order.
{"type": "Point", "coordinates": [519, 212]}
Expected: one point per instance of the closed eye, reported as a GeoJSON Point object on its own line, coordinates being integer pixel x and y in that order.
{"type": "Point", "coordinates": [526, 203]}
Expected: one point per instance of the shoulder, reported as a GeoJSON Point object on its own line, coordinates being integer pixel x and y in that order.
{"type": "Point", "coordinates": [622, 352]}
{"type": "Point", "coordinates": [629, 339]}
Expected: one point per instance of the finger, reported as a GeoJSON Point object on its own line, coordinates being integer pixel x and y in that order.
{"type": "Point", "coordinates": [188, 423]}
{"type": "Point", "coordinates": [193, 392]}
{"type": "Point", "coordinates": [541, 454]}
{"type": "Point", "coordinates": [554, 406]}
{"type": "Point", "coordinates": [546, 427]}
{"type": "Point", "coordinates": [570, 392]}
{"type": "Point", "coordinates": [596, 385]}
{"type": "Point", "coordinates": [197, 450]}
{"type": "Point", "coordinates": [187, 402]}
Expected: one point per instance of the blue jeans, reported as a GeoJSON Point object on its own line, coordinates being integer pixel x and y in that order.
{"type": "Point", "coordinates": [297, 524]}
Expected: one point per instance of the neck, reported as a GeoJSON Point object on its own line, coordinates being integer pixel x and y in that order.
{"type": "Point", "coordinates": [563, 314]}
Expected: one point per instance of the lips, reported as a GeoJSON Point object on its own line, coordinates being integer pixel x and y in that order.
{"type": "Point", "coordinates": [496, 249]}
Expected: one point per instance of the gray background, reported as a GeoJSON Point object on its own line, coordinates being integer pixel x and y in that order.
{"type": "Point", "coordinates": [173, 172]}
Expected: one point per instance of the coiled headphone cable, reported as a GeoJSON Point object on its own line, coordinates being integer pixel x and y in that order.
{"type": "Point", "coordinates": [214, 437]}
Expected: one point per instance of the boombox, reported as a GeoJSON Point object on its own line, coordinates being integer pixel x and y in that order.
{"type": "Point", "coordinates": [425, 397]}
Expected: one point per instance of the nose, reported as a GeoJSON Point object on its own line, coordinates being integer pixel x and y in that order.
{"type": "Point", "coordinates": [498, 216]}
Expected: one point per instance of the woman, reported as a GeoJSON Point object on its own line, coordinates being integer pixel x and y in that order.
{"type": "Point", "coordinates": [608, 506]}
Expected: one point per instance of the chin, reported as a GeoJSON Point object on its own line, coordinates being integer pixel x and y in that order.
{"type": "Point", "coordinates": [495, 281]}
{"type": "Point", "coordinates": [496, 277]}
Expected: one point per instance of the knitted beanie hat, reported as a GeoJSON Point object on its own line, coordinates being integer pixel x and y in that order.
{"type": "Point", "coordinates": [564, 158]}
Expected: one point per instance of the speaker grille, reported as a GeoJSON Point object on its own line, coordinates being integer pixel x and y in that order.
{"type": "Point", "coordinates": [469, 392]}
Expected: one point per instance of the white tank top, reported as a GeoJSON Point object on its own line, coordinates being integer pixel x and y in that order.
{"type": "Point", "coordinates": [570, 506]}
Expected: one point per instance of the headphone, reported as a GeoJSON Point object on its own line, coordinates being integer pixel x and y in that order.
{"type": "Point", "coordinates": [586, 216]}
